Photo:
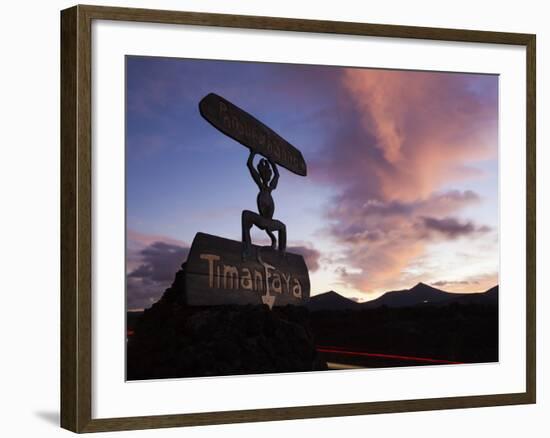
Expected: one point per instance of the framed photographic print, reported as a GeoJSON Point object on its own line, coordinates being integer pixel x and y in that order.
{"type": "Point", "coordinates": [267, 218]}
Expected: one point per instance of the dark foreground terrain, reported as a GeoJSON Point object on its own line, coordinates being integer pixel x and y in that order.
{"type": "Point", "coordinates": [254, 340]}
{"type": "Point", "coordinates": [465, 333]}
{"type": "Point", "coordinates": [418, 326]}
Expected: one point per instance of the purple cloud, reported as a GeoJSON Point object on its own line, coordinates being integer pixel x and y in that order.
{"type": "Point", "coordinates": [151, 268]}
{"type": "Point", "coordinates": [310, 255]}
{"type": "Point", "coordinates": [452, 227]}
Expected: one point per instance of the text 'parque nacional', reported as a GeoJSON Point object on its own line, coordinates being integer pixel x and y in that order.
{"type": "Point", "coordinates": [250, 132]}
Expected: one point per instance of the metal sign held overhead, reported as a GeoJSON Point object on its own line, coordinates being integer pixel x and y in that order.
{"type": "Point", "coordinates": [250, 132]}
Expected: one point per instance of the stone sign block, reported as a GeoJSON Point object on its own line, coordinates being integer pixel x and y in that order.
{"type": "Point", "coordinates": [216, 274]}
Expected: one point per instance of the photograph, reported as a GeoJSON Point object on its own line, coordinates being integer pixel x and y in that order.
{"type": "Point", "coordinates": [285, 218]}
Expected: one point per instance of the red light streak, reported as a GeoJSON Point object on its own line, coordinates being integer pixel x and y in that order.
{"type": "Point", "coordinates": [339, 350]}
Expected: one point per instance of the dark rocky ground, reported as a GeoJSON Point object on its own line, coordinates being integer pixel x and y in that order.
{"type": "Point", "coordinates": [459, 332]}
{"type": "Point", "coordinates": [172, 340]}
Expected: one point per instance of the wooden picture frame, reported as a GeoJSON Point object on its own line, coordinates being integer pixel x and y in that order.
{"type": "Point", "coordinates": [76, 217]}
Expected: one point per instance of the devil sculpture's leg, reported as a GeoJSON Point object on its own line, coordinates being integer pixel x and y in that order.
{"type": "Point", "coordinates": [249, 218]}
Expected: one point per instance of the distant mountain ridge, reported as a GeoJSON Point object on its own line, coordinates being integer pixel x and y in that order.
{"type": "Point", "coordinates": [420, 294]}
{"type": "Point", "coordinates": [332, 301]}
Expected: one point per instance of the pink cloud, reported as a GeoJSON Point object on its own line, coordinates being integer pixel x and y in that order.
{"type": "Point", "coordinates": [404, 137]}
{"type": "Point", "coordinates": [428, 127]}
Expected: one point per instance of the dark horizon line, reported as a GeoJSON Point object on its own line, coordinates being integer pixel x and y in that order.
{"type": "Point", "coordinates": [409, 289]}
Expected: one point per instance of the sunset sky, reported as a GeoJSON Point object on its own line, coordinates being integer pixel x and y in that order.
{"type": "Point", "coordinates": [402, 181]}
